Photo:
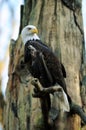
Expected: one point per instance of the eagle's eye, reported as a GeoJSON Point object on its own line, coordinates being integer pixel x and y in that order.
{"type": "Point", "coordinates": [29, 28]}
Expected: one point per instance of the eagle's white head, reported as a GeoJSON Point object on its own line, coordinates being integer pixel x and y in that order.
{"type": "Point", "coordinates": [29, 32]}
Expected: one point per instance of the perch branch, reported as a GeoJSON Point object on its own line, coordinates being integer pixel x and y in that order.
{"type": "Point", "coordinates": [38, 92]}
{"type": "Point", "coordinates": [76, 109]}
{"type": "Point", "coordinates": [41, 92]}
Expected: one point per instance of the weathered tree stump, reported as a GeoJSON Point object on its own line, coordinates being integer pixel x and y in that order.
{"type": "Point", "coordinates": [60, 27]}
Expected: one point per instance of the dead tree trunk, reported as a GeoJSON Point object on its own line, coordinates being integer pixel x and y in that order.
{"type": "Point", "coordinates": [60, 27]}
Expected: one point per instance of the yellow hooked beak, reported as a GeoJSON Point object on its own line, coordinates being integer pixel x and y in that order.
{"type": "Point", "coordinates": [34, 31]}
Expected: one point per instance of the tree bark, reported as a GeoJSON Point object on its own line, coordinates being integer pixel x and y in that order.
{"type": "Point", "coordinates": [60, 27]}
{"type": "Point", "coordinates": [2, 104]}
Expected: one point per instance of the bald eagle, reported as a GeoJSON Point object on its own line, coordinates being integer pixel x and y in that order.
{"type": "Point", "coordinates": [41, 61]}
